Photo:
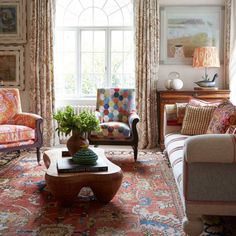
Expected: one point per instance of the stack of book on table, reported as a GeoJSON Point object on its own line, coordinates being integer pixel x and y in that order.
{"type": "Point", "coordinates": [66, 165]}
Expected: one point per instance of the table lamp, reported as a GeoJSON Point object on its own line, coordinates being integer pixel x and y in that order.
{"type": "Point", "coordinates": [206, 57]}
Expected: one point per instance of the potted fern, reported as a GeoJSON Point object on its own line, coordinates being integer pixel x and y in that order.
{"type": "Point", "coordinates": [77, 124]}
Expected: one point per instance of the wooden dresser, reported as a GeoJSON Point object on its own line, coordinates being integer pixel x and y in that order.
{"type": "Point", "coordinates": [171, 97]}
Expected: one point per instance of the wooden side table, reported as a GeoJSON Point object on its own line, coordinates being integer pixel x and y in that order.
{"type": "Point", "coordinates": [171, 97]}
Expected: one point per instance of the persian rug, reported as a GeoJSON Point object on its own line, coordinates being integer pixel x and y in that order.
{"type": "Point", "coordinates": [6, 158]}
{"type": "Point", "coordinates": [147, 202]}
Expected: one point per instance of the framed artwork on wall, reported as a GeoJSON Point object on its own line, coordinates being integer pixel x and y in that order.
{"type": "Point", "coordinates": [12, 21]}
{"type": "Point", "coordinates": [12, 66]}
{"type": "Point", "coordinates": [183, 28]}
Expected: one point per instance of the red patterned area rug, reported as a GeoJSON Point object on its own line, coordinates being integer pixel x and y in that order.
{"type": "Point", "coordinates": [146, 204]}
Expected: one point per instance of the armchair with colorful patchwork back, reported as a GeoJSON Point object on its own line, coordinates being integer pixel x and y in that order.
{"type": "Point", "coordinates": [18, 130]}
{"type": "Point", "coordinates": [118, 118]}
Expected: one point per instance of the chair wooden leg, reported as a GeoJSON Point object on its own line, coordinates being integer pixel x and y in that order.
{"type": "Point", "coordinates": [38, 155]}
{"type": "Point", "coordinates": [135, 149]}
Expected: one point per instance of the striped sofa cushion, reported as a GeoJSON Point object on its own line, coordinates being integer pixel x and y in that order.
{"type": "Point", "coordinates": [197, 119]}
{"type": "Point", "coordinates": [174, 144]}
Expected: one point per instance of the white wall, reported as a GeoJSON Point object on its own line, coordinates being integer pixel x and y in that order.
{"type": "Point", "coordinates": [188, 74]}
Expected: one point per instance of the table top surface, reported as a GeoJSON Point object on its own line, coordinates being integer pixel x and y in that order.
{"type": "Point", "coordinates": [51, 156]}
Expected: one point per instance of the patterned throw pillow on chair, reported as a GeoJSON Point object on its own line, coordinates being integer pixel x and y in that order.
{"type": "Point", "coordinates": [223, 117]}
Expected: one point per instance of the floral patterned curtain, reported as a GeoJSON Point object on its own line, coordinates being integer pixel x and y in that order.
{"type": "Point", "coordinates": [41, 56]}
{"type": "Point", "coordinates": [227, 43]}
{"type": "Point", "coordinates": [232, 57]}
{"type": "Point", "coordinates": [146, 68]}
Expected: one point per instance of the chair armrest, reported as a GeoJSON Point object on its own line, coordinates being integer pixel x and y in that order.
{"type": "Point", "coordinates": [210, 148]}
{"type": "Point", "coordinates": [27, 119]}
{"type": "Point", "coordinates": [98, 116]}
{"type": "Point", "coordinates": [133, 119]}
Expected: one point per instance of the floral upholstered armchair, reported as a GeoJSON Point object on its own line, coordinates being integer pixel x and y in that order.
{"type": "Point", "coordinates": [18, 130]}
{"type": "Point", "coordinates": [118, 119]}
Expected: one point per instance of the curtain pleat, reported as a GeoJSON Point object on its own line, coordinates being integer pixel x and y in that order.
{"type": "Point", "coordinates": [227, 33]}
{"type": "Point", "coordinates": [146, 68]}
{"type": "Point", "coordinates": [232, 57]}
{"type": "Point", "coordinates": [41, 55]}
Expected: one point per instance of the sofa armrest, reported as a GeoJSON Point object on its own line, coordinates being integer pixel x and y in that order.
{"type": "Point", "coordinates": [210, 148]}
{"type": "Point", "coordinates": [27, 119]}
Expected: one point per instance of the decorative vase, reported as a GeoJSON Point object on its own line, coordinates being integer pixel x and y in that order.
{"type": "Point", "coordinates": [76, 142]}
{"type": "Point", "coordinates": [168, 84]}
{"type": "Point", "coordinates": [176, 84]}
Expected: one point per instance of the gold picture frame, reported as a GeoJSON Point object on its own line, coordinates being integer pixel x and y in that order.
{"type": "Point", "coordinates": [12, 66]}
{"type": "Point", "coordinates": [12, 21]}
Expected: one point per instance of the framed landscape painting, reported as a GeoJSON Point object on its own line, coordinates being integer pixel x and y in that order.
{"type": "Point", "coordinates": [183, 28]}
{"type": "Point", "coordinates": [12, 21]}
{"type": "Point", "coordinates": [12, 66]}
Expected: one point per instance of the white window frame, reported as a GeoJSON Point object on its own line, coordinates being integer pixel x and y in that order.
{"type": "Point", "coordinates": [90, 100]}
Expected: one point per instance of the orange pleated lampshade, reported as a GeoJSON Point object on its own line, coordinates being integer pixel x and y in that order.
{"type": "Point", "coordinates": [206, 57]}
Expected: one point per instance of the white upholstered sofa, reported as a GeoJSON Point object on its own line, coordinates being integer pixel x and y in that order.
{"type": "Point", "coordinates": [204, 168]}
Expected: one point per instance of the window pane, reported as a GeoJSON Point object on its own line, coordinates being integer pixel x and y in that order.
{"type": "Point", "coordinates": [99, 3]}
{"type": "Point", "coordinates": [86, 41]}
{"type": "Point", "coordinates": [116, 19]}
{"type": "Point", "coordinates": [110, 7]}
{"type": "Point", "coordinates": [99, 41]}
{"type": "Point", "coordinates": [116, 80]}
{"type": "Point", "coordinates": [62, 3]}
{"type": "Point", "coordinates": [99, 63]}
{"type": "Point", "coordinates": [59, 83]}
{"type": "Point", "coordinates": [86, 63]}
{"type": "Point", "coordinates": [59, 19]}
{"type": "Point", "coordinates": [129, 41]}
{"type": "Point", "coordinates": [75, 7]}
{"type": "Point", "coordinates": [100, 81]}
{"type": "Point", "coordinates": [70, 83]}
{"type": "Point", "coordinates": [58, 61]}
{"type": "Point", "coordinates": [86, 18]}
{"type": "Point", "coordinates": [128, 62]}
{"type": "Point", "coordinates": [129, 81]}
{"type": "Point", "coordinates": [86, 3]}
{"type": "Point", "coordinates": [123, 80]}
{"type": "Point", "coordinates": [59, 41]}
{"type": "Point", "coordinates": [69, 62]}
{"type": "Point", "coordinates": [88, 84]}
{"type": "Point", "coordinates": [100, 18]}
{"type": "Point", "coordinates": [127, 15]}
{"type": "Point", "coordinates": [70, 19]}
{"type": "Point", "coordinates": [116, 63]}
{"type": "Point", "coordinates": [69, 41]}
{"type": "Point", "coordinates": [116, 41]}
{"type": "Point", "coordinates": [123, 2]}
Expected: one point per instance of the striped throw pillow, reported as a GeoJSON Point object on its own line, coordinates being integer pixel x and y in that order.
{"type": "Point", "coordinates": [197, 119]}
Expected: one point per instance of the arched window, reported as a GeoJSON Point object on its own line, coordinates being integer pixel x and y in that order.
{"type": "Point", "coordinates": [93, 46]}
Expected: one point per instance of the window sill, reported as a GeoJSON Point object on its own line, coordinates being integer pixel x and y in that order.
{"type": "Point", "coordinates": [75, 102]}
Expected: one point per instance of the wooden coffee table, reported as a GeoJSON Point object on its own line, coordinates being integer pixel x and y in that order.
{"type": "Point", "coordinates": [65, 187]}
